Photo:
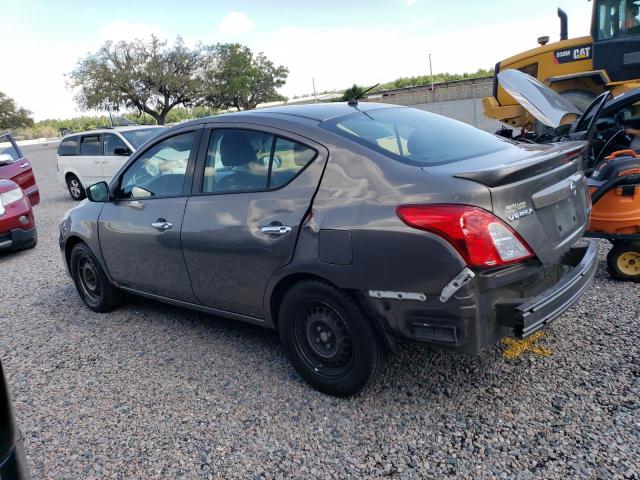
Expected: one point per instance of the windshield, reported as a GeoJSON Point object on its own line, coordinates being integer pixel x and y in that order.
{"type": "Point", "coordinates": [618, 18]}
{"type": "Point", "coordinates": [138, 137]}
{"type": "Point", "coordinates": [415, 136]}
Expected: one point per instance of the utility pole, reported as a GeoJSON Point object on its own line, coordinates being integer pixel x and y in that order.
{"type": "Point", "coordinates": [431, 74]}
{"type": "Point", "coordinates": [313, 82]}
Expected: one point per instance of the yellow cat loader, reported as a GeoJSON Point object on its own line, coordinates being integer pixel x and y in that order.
{"type": "Point", "coordinates": [579, 68]}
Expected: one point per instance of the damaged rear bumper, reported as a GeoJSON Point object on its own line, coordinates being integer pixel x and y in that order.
{"type": "Point", "coordinates": [529, 315]}
{"type": "Point", "coordinates": [516, 300]}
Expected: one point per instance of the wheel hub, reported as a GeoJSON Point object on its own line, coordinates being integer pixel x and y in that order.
{"type": "Point", "coordinates": [88, 277]}
{"type": "Point", "coordinates": [327, 336]}
{"type": "Point", "coordinates": [629, 263]}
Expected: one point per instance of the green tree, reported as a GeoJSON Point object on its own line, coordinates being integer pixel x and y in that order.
{"type": "Point", "coordinates": [235, 77]}
{"type": "Point", "coordinates": [352, 93]}
{"type": "Point", "coordinates": [148, 77]}
{"type": "Point", "coordinates": [12, 116]}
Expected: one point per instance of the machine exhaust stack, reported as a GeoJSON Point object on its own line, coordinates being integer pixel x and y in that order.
{"type": "Point", "coordinates": [564, 29]}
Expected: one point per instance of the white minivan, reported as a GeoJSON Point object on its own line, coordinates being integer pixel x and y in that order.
{"type": "Point", "coordinates": [94, 156]}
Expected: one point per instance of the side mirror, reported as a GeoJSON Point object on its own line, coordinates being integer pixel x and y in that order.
{"type": "Point", "coordinates": [122, 151]}
{"type": "Point", "coordinates": [5, 158]}
{"type": "Point", "coordinates": [98, 192]}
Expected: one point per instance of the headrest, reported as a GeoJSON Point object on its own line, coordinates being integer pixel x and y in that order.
{"type": "Point", "coordinates": [236, 150]}
{"type": "Point", "coordinates": [421, 141]}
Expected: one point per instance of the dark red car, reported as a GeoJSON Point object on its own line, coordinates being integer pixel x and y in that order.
{"type": "Point", "coordinates": [17, 223]}
{"type": "Point", "coordinates": [15, 166]}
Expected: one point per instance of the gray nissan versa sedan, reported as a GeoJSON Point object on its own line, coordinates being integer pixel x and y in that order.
{"type": "Point", "coordinates": [344, 227]}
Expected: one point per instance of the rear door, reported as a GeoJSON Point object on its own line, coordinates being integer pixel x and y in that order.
{"type": "Point", "coordinates": [89, 163]}
{"type": "Point", "coordinates": [115, 154]}
{"type": "Point", "coordinates": [15, 166]}
{"type": "Point", "coordinates": [252, 189]}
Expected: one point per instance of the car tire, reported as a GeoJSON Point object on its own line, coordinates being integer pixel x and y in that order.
{"type": "Point", "coordinates": [76, 190]}
{"type": "Point", "coordinates": [623, 261]}
{"type": "Point", "coordinates": [328, 338]}
{"type": "Point", "coordinates": [91, 282]}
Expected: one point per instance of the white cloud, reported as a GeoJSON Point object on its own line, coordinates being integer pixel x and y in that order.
{"type": "Point", "coordinates": [338, 57]}
{"type": "Point", "coordinates": [123, 30]}
{"type": "Point", "coordinates": [409, 3]}
{"type": "Point", "coordinates": [235, 23]}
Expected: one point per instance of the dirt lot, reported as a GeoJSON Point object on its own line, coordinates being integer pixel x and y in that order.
{"type": "Point", "coordinates": [153, 391]}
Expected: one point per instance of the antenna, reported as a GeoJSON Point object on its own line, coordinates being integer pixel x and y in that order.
{"type": "Point", "coordinates": [354, 101]}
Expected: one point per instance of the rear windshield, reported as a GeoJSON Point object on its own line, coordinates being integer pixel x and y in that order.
{"type": "Point", "coordinates": [139, 136]}
{"type": "Point", "coordinates": [415, 136]}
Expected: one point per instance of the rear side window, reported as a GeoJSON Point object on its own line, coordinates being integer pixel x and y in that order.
{"type": "Point", "coordinates": [289, 158]}
{"type": "Point", "coordinates": [90, 145]}
{"type": "Point", "coordinates": [414, 136]}
{"type": "Point", "coordinates": [68, 146]}
{"type": "Point", "coordinates": [8, 148]}
{"type": "Point", "coordinates": [251, 161]}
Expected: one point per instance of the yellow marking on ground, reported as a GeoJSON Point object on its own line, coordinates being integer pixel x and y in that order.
{"type": "Point", "coordinates": [517, 346]}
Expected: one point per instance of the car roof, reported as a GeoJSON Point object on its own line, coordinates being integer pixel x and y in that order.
{"type": "Point", "coordinates": [318, 112]}
{"type": "Point", "coordinates": [114, 129]}
{"type": "Point", "coordinates": [623, 98]}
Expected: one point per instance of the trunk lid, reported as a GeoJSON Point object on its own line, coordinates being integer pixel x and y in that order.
{"type": "Point", "coordinates": [537, 190]}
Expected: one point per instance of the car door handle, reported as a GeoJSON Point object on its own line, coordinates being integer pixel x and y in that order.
{"type": "Point", "coordinates": [24, 165]}
{"type": "Point", "coordinates": [276, 229]}
{"type": "Point", "coordinates": [162, 224]}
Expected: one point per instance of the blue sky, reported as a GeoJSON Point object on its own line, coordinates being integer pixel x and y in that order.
{"type": "Point", "coordinates": [337, 43]}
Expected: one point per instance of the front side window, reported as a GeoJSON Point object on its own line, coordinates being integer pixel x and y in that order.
{"type": "Point", "coordinates": [414, 136]}
{"type": "Point", "coordinates": [8, 151]}
{"type": "Point", "coordinates": [618, 18]}
{"type": "Point", "coordinates": [68, 146]}
{"type": "Point", "coordinates": [159, 171]}
{"type": "Point", "coordinates": [90, 145]}
{"type": "Point", "coordinates": [111, 142]}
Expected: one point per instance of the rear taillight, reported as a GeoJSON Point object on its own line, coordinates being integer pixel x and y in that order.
{"type": "Point", "coordinates": [480, 237]}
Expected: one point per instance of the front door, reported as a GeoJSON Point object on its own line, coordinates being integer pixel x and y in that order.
{"type": "Point", "coordinates": [253, 191]}
{"type": "Point", "coordinates": [139, 230]}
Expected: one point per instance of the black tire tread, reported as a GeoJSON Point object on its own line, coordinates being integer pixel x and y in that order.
{"type": "Point", "coordinates": [371, 338]}
{"type": "Point", "coordinates": [618, 249]}
{"type": "Point", "coordinates": [111, 296]}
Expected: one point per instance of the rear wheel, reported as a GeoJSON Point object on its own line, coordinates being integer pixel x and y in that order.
{"type": "Point", "coordinates": [328, 338]}
{"type": "Point", "coordinates": [623, 261]}
{"type": "Point", "coordinates": [91, 282]}
{"type": "Point", "coordinates": [76, 189]}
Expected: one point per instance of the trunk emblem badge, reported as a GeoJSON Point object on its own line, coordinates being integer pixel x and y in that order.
{"type": "Point", "coordinates": [516, 211]}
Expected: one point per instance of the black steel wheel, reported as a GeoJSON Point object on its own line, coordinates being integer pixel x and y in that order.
{"type": "Point", "coordinates": [91, 282]}
{"type": "Point", "coordinates": [76, 190]}
{"type": "Point", "coordinates": [328, 339]}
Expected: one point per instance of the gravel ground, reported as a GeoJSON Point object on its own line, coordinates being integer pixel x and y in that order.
{"type": "Point", "coordinates": [152, 391]}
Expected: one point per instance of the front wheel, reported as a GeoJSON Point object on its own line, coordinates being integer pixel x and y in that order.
{"type": "Point", "coordinates": [76, 190]}
{"type": "Point", "coordinates": [328, 338]}
{"type": "Point", "coordinates": [623, 261]}
{"type": "Point", "coordinates": [91, 282]}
